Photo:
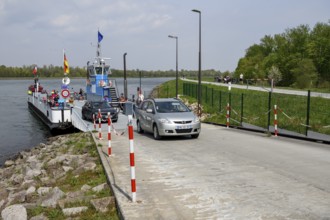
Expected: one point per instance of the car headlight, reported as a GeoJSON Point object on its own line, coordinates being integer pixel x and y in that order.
{"type": "Point", "coordinates": [164, 121]}
{"type": "Point", "coordinates": [196, 119]}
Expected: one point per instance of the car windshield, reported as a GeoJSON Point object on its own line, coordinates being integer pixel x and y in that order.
{"type": "Point", "coordinates": [101, 105]}
{"type": "Point", "coordinates": [171, 107]}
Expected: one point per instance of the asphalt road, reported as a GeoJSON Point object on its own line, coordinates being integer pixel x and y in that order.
{"type": "Point", "coordinates": [224, 174]}
{"type": "Point", "coordinates": [275, 90]}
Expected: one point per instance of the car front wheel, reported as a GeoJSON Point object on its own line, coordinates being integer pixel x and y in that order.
{"type": "Point", "coordinates": [156, 133]}
{"type": "Point", "coordinates": [139, 129]}
{"type": "Point", "coordinates": [194, 136]}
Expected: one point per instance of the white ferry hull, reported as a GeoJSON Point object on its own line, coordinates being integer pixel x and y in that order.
{"type": "Point", "coordinates": [56, 118]}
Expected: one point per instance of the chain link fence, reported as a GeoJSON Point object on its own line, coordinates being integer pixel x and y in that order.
{"type": "Point", "coordinates": [306, 116]}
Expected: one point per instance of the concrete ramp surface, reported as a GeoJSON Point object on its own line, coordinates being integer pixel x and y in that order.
{"type": "Point", "coordinates": [224, 174]}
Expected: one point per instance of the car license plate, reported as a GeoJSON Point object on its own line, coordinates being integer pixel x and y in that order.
{"type": "Point", "coordinates": [183, 127]}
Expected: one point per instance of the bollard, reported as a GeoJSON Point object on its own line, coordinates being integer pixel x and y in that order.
{"type": "Point", "coordinates": [228, 115]}
{"type": "Point", "coordinates": [131, 156]}
{"type": "Point", "coordinates": [275, 120]}
{"type": "Point", "coordinates": [94, 122]}
{"type": "Point", "coordinates": [100, 129]}
{"type": "Point", "coordinates": [109, 134]}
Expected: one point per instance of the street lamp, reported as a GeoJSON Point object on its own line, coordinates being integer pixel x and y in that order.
{"type": "Point", "coordinates": [199, 63]}
{"type": "Point", "coordinates": [125, 80]}
{"type": "Point", "coordinates": [176, 85]}
{"type": "Point", "coordinates": [140, 91]}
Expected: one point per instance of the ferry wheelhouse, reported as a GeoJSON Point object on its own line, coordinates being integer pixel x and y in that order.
{"type": "Point", "coordinates": [98, 84]}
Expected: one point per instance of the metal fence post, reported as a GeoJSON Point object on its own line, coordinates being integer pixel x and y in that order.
{"type": "Point", "coordinates": [242, 105]}
{"type": "Point", "coordinates": [308, 110]}
{"type": "Point", "coordinates": [269, 108]}
{"type": "Point", "coordinates": [206, 88]}
{"type": "Point", "coordinates": [212, 98]}
{"type": "Point", "coordinates": [220, 100]}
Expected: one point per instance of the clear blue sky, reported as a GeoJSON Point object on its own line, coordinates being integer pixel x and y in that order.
{"type": "Point", "coordinates": [37, 31]}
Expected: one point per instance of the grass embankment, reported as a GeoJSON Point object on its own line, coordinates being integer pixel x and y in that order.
{"type": "Point", "coordinates": [255, 107]}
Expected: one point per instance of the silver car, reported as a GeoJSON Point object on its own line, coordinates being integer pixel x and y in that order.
{"type": "Point", "coordinates": [166, 117]}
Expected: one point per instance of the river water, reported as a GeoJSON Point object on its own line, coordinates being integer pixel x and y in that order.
{"type": "Point", "coordinates": [20, 129]}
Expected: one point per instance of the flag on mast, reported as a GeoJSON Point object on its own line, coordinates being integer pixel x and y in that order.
{"type": "Point", "coordinates": [35, 70]}
{"type": "Point", "coordinates": [99, 37]}
{"type": "Point", "coordinates": [66, 65]}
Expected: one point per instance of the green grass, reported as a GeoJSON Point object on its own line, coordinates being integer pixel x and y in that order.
{"type": "Point", "coordinates": [253, 107]}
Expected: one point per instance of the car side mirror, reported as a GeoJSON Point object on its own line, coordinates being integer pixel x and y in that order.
{"type": "Point", "coordinates": [149, 110]}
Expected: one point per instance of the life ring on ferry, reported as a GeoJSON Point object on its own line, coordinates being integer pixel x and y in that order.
{"type": "Point", "coordinates": [102, 83]}
{"type": "Point", "coordinates": [66, 80]}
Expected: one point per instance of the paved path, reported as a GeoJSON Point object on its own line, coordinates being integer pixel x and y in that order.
{"type": "Point", "coordinates": [275, 90]}
{"type": "Point", "coordinates": [224, 174]}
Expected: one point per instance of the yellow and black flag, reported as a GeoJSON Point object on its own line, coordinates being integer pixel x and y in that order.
{"type": "Point", "coordinates": [66, 65]}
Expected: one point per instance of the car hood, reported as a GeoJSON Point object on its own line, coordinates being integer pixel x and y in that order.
{"type": "Point", "coordinates": [178, 116]}
{"type": "Point", "coordinates": [105, 110]}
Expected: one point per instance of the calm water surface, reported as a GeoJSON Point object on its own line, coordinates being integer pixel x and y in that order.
{"type": "Point", "coordinates": [20, 129]}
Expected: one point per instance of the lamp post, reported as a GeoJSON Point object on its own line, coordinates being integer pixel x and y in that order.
{"type": "Point", "coordinates": [140, 92]}
{"type": "Point", "coordinates": [125, 80]}
{"type": "Point", "coordinates": [177, 74]}
{"type": "Point", "coordinates": [199, 63]}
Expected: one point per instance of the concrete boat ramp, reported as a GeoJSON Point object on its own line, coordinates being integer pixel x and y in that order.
{"type": "Point", "coordinates": [224, 174]}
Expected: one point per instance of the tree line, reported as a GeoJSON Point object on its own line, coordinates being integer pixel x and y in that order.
{"type": "Point", "coordinates": [57, 71]}
{"type": "Point", "coordinates": [299, 57]}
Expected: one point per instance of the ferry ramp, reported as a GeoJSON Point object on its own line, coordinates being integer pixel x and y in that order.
{"type": "Point", "coordinates": [87, 126]}
{"type": "Point", "coordinates": [77, 120]}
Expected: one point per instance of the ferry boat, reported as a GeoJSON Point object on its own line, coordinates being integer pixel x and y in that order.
{"type": "Point", "coordinates": [99, 86]}
{"type": "Point", "coordinates": [52, 109]}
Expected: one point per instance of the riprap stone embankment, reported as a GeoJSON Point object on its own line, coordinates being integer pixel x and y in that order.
{"type": "Point", "coordinates": [58, 179]}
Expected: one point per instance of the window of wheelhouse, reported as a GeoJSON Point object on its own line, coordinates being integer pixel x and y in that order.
{"type": "Point", "coordinates": [107, 70]}
{"type": "Point", "coordinates": [91, 71]}
{"type": "Point", "coordinates": [98, 70]}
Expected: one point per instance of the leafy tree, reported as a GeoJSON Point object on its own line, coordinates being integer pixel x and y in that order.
{"type": "Point", "coordinates": [319, 50]}
{"type": "Point", "coordinates": [274, 74]}
{"type": "Point", "coordinates": [291, 51]}
{"type": "Point", "coordinates": [305, 74]}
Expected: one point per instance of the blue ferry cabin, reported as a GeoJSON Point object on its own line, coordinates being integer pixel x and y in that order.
{"type": "Point", "coordinates": [98, 84]}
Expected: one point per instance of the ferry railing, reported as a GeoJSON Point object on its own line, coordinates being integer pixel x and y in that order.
{"type": "Point", "coordinates": [116, 87]}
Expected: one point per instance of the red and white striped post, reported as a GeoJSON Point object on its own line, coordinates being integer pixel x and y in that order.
{"type": "Point", "coordinates": [100, 129]}
{"type": "Point", "coordinates": [275, 120]}
{"type": "Point", "coordinates": [228, 115]}
{"type": "Point", "coordinates": [131, 156]}
{"type": "Point", "coordinates": [109, 134]}
{"type": "Point", "coordinates": [94, 122]}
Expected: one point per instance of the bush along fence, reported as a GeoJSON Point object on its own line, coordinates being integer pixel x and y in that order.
{"type": "Point", "coordinates": [302, 116]}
